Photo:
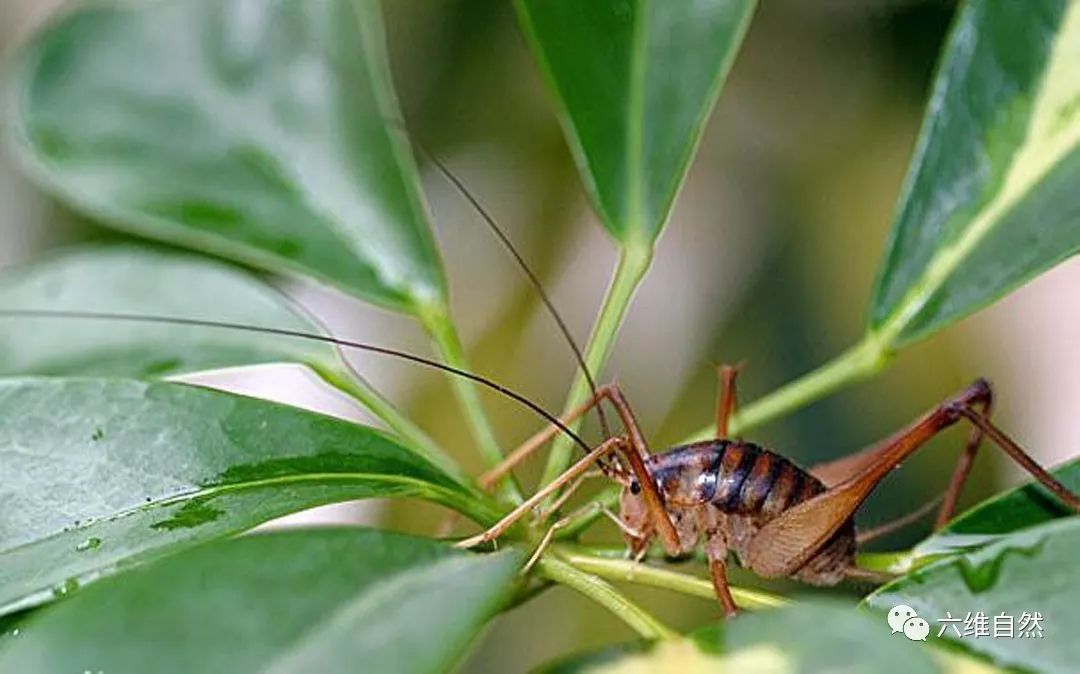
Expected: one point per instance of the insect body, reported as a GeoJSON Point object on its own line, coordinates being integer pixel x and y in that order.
{"type": "Point", "coordinates": [722, 492]}
{"type": "Point", "coordinates": [737, 497]}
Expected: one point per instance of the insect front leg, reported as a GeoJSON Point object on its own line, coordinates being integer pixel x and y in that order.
{"type": "Point", "coordinates": [541, 438]}
{"type": "Point", "coordinates": [570, 475]}
{"type": "Point", "coordinates": [524, 451]}
{"type": "Point", "coordinates": [635, 455]}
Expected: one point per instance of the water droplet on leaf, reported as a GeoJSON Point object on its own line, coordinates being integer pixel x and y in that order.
{"type": "Point", "coordinates": [69, 586]}
{"type": "Point", "coordinates": [91, 543]}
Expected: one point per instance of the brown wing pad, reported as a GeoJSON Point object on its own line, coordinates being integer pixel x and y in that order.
{"type": "Point", "coordinates": [788, 542]}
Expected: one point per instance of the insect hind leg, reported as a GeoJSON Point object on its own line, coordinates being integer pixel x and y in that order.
{"type": "Point", "coordinates": [787, 542]}
{"type": "Point", "coordinates": [1017, 454]}
{"type": "Point", "coordinates": [966, 460]}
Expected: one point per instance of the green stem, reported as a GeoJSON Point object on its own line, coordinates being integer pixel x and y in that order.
{"type": "Point", "coordinates": [633, 263]}
{"type": "Point", "coordinates": [642, 574]}
{"type": "Point", "coordinates": [604, 594]}
{"type": "Point", "coordinates": [900, 562]}
{"type": "Point", "coordinates": [359, 389]}
{"type": "Point", "coordinates": [859, 362]}
{"type": "Point", "coordinates": [436, 320]}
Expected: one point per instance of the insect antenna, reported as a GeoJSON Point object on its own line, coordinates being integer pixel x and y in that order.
{"type": "Point", "coordinates": [299, 334]}
{"type": "Point", "coordinates": [533, 279]}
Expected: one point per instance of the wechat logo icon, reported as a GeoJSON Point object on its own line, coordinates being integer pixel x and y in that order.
{"type": "Point", "coordinates": [904, 619]}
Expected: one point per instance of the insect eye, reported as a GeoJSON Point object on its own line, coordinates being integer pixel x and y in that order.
{"type": "Point", "coordinates": [635, 488]}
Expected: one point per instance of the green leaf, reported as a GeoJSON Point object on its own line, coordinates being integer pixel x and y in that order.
{"type": "Point", "coordinates": [101, 473]}
{"type": "Point", "coordinates": [321, 600]}
{"type": "Point", "coordinates": [1011, 511]}
{"type": "Point", "coordinates": [1030, 571]}
{"type": "Point", "coordinates": [266, 132]}
{"type": "Point", "coordinates": [820, 636]}
{"type": "Point", "coordinates": [135, 280]}
{"type": "Point", "coordinates": [633, 125]}
{"type": "Point", "coordinates": [990, 199]}
{"type": "Point", "coordinates": [140, 281]}
{"type": "Point", "coordinates": [814, 636]}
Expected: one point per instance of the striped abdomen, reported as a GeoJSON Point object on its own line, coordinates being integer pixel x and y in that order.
{"type": "Point", "coordinates": [738, 478]}
{"type": "Point", "coordinates": [726, 490]}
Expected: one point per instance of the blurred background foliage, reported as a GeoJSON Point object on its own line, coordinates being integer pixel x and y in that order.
{"type": "Point", "coordinates": [769, 258]}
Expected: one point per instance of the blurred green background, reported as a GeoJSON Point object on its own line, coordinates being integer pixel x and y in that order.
{"type": "Point", "coordinates": [769, 258]}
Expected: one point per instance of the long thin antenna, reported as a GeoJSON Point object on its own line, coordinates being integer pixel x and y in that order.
{"type": "Point", "coordinates": [536, 284]}
{"type": "Point", "coordinates": [298, 334]}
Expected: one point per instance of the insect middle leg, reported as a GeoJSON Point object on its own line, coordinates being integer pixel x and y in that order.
{"type": "Point", "coordinates": [718, 571]}
{"type": "Point", "coordinates": [710, 523]}
{"type": "Point", "coordinates": [727, 400]}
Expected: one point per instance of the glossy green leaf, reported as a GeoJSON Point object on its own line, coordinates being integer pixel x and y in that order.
{"type": "Point", "coordinates": [322, 600]}
{"type": "Point", "coordinates": [632, 123]}
{"type": "Point", "coordinates": [137, 281]}
{"type": "Point", "coordinates": [821, 636]}
{"type": "Point", "coordinates": [991, 198]}
{"type": "Point", "coordinates": [811, 637]}
{"type": "Point", "coordinates": [101, 473]}
{"type": "Point", "coordinates": [1011, 511]}
{"type": "Point", "coordinates": [1030, 571]}
{"type": "Point", "coordinates": [267, 132]}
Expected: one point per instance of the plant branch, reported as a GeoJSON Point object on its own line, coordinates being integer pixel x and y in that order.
{"type": "Point", "coordinates": [607, 596]}
{"type": "Point", "coordinates": [866, 358]}
{"type": "Point", "coordinates": [436, 321]}
{"type": "Point", "coordinates": [633, 263]}
{"type": "Point", "coordinates": [642, 574]}
{"type": "Point", "coordinates": [360, 389]}
{"type": "Point", "coordinates": [900, 562]}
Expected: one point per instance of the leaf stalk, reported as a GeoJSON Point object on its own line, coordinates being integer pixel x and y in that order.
{"type": "Point", "coordinates": [413, 436]}
{"type": "Point", "coordinates": [629, 571]}
{"type": "Point", "coordinates": [436, 320]}
{"type": "Point", "coordinates": [633, 263]}
{"type": "Point", "coordinates": [607, 596]}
